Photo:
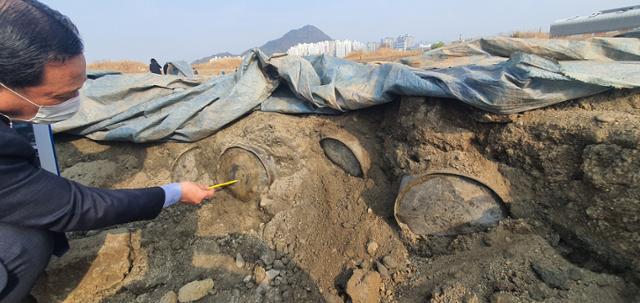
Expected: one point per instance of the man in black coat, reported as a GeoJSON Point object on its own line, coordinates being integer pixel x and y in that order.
{"type": "Point", "coordinates": [42, 67]}
{"type": "Point", "coordinates": [155, 67]}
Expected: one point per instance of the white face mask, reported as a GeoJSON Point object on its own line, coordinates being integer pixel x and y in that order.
{"type": "Point", "coordinates": [53, 113]}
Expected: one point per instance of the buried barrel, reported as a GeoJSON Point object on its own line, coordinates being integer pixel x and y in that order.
{"type": "Point", "coordinates": [250, 166]}
{"type": "Point", "coordinates": [446, 204]}
{"type": "Point", "coordinates": [345, 151]}
{"type": "Point", "coordinates": [187, 165]}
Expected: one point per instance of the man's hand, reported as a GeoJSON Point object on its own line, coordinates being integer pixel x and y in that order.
{"type": "Point", "coordinates": [193, 193]}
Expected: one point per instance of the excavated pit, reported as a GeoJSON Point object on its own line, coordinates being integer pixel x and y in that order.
{"type": "Point", "coordinates": [560, 184]}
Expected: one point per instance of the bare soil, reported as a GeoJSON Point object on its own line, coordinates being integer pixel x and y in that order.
{"type": "Point", "coordinates": [568, 175]}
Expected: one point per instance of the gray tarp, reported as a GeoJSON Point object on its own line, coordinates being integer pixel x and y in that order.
{"type": "Point", "coordinates": [501, 75]}
{"type": "Point", "coordinates": [181, 68]}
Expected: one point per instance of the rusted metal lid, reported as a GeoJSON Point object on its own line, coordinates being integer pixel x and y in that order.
{"type": "Point", "coordinates": [250, 166]}
{"type": "Point", "coordinates": [446, 204]}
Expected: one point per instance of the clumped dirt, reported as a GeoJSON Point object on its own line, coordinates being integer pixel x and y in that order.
{"type": "Point", "coordinates": [568, 175]}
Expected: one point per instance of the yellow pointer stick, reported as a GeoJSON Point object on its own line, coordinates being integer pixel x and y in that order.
{"type": "Point", "coordinates": [223, 184]}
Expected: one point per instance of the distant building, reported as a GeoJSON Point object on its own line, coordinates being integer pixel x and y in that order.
{"type": "Point", "coordinates": [388, 42]}
{"type": "Point", "coordinates": [214, 59]}
{"type": "Point", "coordinates": [372, 46]}
{"type": "Point", "coordinates": [610, 22]}
{"type": "Point", "coordinates": [336, 48]}
{"type": "Point", "coordinates": [405, 42]}
{"type": "Point", "coordinates": [424, 46]}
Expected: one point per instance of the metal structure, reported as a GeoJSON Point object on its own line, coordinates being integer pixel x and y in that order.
{"type": "Point", "coordinates": [610, 22]}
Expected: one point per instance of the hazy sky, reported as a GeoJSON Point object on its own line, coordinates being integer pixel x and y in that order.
{"type": "Point", "coordinates": [191, 29]}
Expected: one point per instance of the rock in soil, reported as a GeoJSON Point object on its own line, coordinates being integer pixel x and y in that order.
{"type": "Point", "coordinates": [553, 277]}
{"type": "Point", "coordinates": [503, 297]}
{"type": "Point", "coordinates": [277, 264]}
{"type": "Point", "coordinates": [390, 262]}
{"type": "Point", "coordinates": [364, 286]}
{"type": "Point", "coordinates": [372, 247]}
{"type": "Point", "coordinates": [195, 290]}
{"type": "Point", "coordinates": [268, 258]}
{"type": "Point", "coordinates": [169, 297]}
{"type": "Point", "coordinates": [259, 274]}
{"type": "Point", "coordinates": [271, 274]}
{"type": "Point", "coordinates": [239, 261]}
{"type": "Point", "coordinates": [605, 118]}
{"type": "Point", "coordinates": [105, 260]}
{"type": "Point", "coordinates": [384, 272]}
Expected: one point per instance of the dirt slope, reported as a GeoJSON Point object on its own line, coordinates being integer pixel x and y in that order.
{"type": "Point", "coordinates": [568, 177]}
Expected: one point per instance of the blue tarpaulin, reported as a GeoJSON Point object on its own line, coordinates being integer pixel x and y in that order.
{"type": "Point", "coordinates": [500, 75]}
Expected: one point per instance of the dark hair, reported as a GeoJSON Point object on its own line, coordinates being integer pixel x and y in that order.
{"type": "Point", "coordinates": [32, 35]}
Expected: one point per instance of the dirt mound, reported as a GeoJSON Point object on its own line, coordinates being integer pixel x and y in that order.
{"type": "Point", "coordinates": [567, 177]}
{"type": "Point", "coordinates": [569, 173]}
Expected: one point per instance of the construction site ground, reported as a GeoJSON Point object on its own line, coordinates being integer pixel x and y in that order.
{"type": "Point", "coordinates": [568, 176]}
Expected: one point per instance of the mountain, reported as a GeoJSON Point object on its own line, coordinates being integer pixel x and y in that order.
{"type": "Point", "coordinates": [305, 34]}
{"type": "Point", "coordinates": [206, 59]}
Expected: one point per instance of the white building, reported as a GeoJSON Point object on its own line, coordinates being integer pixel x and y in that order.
{"type": "Point", "coordinates": [336, 48]}
{"type": "Point", "coordinates": [214, 59]}
{"type": "Point", "coordinates": [388, 42]}
{"type": "Point", "coordinates": [372, 46]}
{"type": "Point", "coordinates": [424, 46]}
{"type": "Point", "coordinates": [405, 42]}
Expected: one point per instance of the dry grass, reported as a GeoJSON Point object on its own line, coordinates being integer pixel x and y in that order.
{"type": "Point", "coordinates": [124, 66]}
{"type": "Point", "coordinates": [228, 65]}
{"type": "Point", "coordinates": [127, 66]}
{"type": "Point", "coordinates": [530, 35]}
{"type": "Point", "coordinates": [382, 54]}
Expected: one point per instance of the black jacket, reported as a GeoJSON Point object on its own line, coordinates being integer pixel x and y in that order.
{"type": "Point", "coordinates": [155, 68]}
{"type": "Point", "coordinates": [33, 197]}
